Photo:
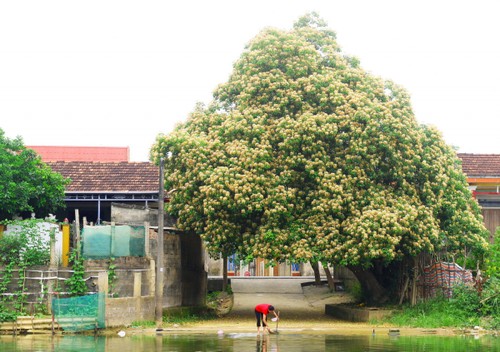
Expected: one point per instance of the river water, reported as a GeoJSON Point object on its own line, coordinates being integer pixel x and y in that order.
{"type": "Point", "coordinates": [248, 342]}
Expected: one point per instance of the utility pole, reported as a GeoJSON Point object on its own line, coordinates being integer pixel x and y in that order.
{"type": "Point", "coordinates": [159, 257]}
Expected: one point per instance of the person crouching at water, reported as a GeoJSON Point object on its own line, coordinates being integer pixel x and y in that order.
{"type": "Point", "coordinates": [261, 313]}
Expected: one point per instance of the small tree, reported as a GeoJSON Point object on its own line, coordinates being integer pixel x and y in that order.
{"type": "Point", "coordinates": [26, 183]}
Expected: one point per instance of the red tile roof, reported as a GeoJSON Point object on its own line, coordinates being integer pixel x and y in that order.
{"type": "Point", "coordinates": [480, 165]}
{"type": "Point", "coordinates": [105, 177]}
{"type": "Point", "coordinates": [69, 153]}
{"type": "Point", "coordinates": [143, 176]}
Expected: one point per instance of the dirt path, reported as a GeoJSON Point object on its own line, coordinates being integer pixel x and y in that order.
{"type": "Point", "coordinates": [309, 304]}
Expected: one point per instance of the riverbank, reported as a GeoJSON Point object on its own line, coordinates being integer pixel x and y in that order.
{"type": "Point", "coordinates": [321, 325]}
{"type": "Point", "coordinates": [300, 312]}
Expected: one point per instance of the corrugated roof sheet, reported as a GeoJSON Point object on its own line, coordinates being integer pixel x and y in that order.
{"type": "Point", "coordinates": [71, 153]}
{"type": "Point", "coordinates": [108, 176]}
{"type": "Point", "coordinates": [480, 165]}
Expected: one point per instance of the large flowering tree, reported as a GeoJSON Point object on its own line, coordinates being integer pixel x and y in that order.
{"type": "Point", "coordinates": [304, 156]}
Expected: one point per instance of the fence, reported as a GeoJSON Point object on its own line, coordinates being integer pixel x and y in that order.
{"type": "Point", "coordinates": [443, 276]}
{"type": "Point", "coordinates": [80, 313]}
{"type": "Point", "coordinates": [108, 241]}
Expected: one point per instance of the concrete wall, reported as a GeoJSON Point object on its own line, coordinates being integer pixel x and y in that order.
{"type": "Point", "coordinates": [172, 281]}
{"type": "Point", "coordinates": [185, 281]}
{"type": "Point", "coordinates": [194, 276]}
{"type": "Point", "coordinates": [126, 267]}
{"type": "Point", "coordinates": [36, 284]}
{"type": "Point", "coordinates": [124, 311]}
{"type": "Point", "coordinates": [135, 214]}
{"type": "Point", "coordinates": [349, 313]}
{"type": "Point", "coordinates": [172, 290]}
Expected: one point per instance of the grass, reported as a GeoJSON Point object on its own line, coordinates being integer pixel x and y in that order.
{"type": "Point", "coordinates": [187, 318]}
{"type": "Point", "coordinates": [437, 313]}
{"type": "Point", "coordinates": [179, 316]}
{"type": "Point", "coordinates": [143, 324]}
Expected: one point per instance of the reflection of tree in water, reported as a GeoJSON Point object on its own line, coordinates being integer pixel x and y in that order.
{"type": "Point", "coordinates": [355, 343]}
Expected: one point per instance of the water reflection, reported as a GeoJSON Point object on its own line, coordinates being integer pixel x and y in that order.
{"type": "Point", "coordinates": [266, 344]}
{"type": "Point", "coordinates": [248, 342]}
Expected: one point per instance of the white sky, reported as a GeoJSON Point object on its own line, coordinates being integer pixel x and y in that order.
{"type": "Point", "coordinates": [117, 73]}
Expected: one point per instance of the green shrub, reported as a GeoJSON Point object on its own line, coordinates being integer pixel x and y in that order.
{"type": "Point", "coordinates": [463, 310]}
{"type": "Point", "coordinates": [466, 300]}
{"type": "Point", "coordinates": [492, 257]}
{"type": "Point", "coordinates": [7, 315]}
{"type": "Point", "coordinates": [76, 283]}
{"type": "Point", "coordinates": [490, 297]}
{"type": "Point", "coordinates": [27, 247]}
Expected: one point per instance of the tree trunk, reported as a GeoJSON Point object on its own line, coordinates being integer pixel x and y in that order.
{"type": "Point", "coordinates": [329, 277]}
{"type": "Point", "coordinates": [224, 273]}
{"type": "Point", "coordinates": [414, 287]}
{"type": "Point", "coordinates": [373, 291]}
{"type": "Point", "coordinates": [317, 276]}
{"type": "Point", "coordinates": [403, 291]}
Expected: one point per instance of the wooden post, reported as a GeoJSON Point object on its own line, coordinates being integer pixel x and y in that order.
{"type": "Point", "coordinates": [152, 277]}
{"type": "Point", "coordinates": [112, 240]}
{"type": "Point", "coordinates": [52, 268]}
{"type": "Point", "coordinates": [146, 239]}
{"type": "Point", "coordinates": [77, 232]}
{"type": "Point", "coordinates": [159, 258]}
{"type": "Point", "coordinates": [102, 282]}
{"type": "Point", "coordinates": [137, 284]}
{"type": "Point", "coordinates": [137, 296]}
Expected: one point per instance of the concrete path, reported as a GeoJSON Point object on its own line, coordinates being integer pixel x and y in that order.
{"type": "Point", "coordinates": [287, 294]}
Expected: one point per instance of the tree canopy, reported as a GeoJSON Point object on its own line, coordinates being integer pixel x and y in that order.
{"type": "Point", "coordinates": [304, 156]}
{"type": "Point", "coordinates": [26, 183]}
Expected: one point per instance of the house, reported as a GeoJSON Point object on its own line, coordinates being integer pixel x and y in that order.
{"type": "Point", "coordinates": [99, 177]}
{"type": "Point", "coordinates": [483, 176]}
{"type": "Point", "coordinates": [104, 186]}
{"type": "Point", "coordinates": [95, 186]}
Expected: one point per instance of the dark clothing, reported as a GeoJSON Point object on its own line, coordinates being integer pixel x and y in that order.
{"type": "Point", "coordinates": [260, 317]}
{"type": "Point", "coordinates": [260, 310]}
